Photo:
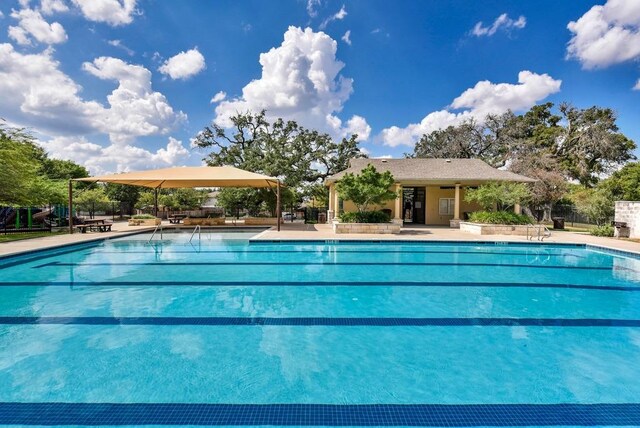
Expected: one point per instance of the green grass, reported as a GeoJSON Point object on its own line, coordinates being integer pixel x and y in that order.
{"type": "Point", "coordinates": [9, 237]}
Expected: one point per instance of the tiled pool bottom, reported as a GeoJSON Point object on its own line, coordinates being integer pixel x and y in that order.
{"type": "Point", "coordinates": [227, 333]}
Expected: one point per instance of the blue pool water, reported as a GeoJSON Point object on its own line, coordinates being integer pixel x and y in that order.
{"type": "Point", "coordinates": [228, 332]}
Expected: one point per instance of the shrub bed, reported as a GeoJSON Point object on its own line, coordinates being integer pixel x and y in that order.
{"type": "Point", "coordinates": [143, 217]}
{"type": "Point", "coordinates": [365, 217]}
{"type": "Point", "coordinates": [498, 217]}
{"type": "Point", "coordinates": [602, 231]}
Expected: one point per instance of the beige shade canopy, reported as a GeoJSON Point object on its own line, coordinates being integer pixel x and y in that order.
{"type": "Point", "coordinates": [189, 176]}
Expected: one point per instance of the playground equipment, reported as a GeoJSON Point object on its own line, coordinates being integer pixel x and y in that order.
{"type": "Point", "coordinates": [28, 219]}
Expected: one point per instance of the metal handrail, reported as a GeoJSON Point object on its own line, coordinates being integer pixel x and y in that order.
{"type": "Point", "coordinates": [155, 231]}
{"type": "Point", "coordinates": [197, 228]}
{"type": "Point", "coordinates": [538, 228]}
{"type": "Point", "coordinates": [547, 233]}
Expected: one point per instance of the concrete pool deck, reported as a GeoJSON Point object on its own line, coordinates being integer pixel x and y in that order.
{"type": "Point", "coordinates": [299, 231]}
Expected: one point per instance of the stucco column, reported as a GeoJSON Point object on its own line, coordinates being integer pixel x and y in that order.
{"type": "Point", "coordinates": [332, 207]}
{"type": "Point", "coordinates": [398, 207]}
{"type": "Point", "coordinates": [517, 209]}
{"type": "Point", "coordinates": [336, 202]}
{"type": "Point", "coordinates": [456, 205]}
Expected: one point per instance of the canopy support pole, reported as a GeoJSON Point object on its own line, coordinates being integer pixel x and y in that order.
{"type": "Point", "coordinates": [278, 208]}
{"type": "Point", "coordinates": [70, 207]}
{"type": "Point", "coordinates": [155, 202]}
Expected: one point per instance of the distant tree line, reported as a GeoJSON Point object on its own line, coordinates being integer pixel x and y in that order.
{"type": "Point", "coordinates": [29, 177]}
{"type": "Point", "coordinates": [570, 151]}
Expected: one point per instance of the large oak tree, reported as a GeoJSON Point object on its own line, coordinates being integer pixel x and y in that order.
{"type": "Point", "coordinates": [300, 157]}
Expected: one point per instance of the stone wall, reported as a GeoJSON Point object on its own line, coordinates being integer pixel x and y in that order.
{"type": "Point", "coordinates": [628, 212]}
{"type": "Point", "coordinates": [500, 229]}
{"type": "Point", "coordinates": [215, 221]}
{"type": "Point", "coordinates": [144, 221]}
{"type": "Point", "coordinates": [373, 228]}
{"type": "Point", "coordinates": [261, 221]}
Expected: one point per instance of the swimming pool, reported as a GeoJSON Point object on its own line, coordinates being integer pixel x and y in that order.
{"type": "Point", "coordinates": [230, 332]}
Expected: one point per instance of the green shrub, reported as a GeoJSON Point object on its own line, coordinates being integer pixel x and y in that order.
{"type": "Point", "coordinates": [498, 217]}
{"type": "Point", "coordinates": [143, 217]}
{"type": "Point", "coordinates": [365, 217]}
{"type": "Point", "coordinates": [498, 194]}
{"type": "Point", "coordinates": [602, 231]}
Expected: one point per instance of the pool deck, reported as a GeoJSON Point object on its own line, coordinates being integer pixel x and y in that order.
{"type": "Point", "coordinates": [118, 229]}
{"type": "Point", "coordinates": [299, 231]}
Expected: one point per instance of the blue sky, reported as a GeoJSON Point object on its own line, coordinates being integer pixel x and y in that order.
{"type": "Point", "coordinates": [126, 84]}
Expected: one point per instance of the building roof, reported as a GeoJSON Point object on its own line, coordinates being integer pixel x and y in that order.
{"type": "Point", "coordinates": [434, 170]}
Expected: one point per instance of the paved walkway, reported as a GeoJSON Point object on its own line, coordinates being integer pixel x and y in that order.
{"type": "Point", "coordinates": [297, 231]}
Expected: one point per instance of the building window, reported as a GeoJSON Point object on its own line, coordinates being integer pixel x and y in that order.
{"type": "Point", "coordinates": [340, 206]}
{"type": "Point", "coordinates": [447, 206]}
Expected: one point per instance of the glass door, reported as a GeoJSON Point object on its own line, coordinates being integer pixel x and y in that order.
{"type": "Point", "coordinates": [419, 200]}
{"type": "Point", "coordinates": [407, 204]}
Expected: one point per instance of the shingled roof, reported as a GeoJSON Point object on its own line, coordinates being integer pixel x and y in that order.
{"type": "Point", "coordinates": [435, 170]}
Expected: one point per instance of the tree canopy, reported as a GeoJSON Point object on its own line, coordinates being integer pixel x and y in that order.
{"type": "Point", "coordinates": [624, 185]}
{"type": "Point", "coordinates": [28, 176]}
{"type": "Point", "coordinates": [579, 144]}
{"type": "Point", "coordinates": [367, 188]}
{"type": "Point", "coordinates": [126, 195]}
{"type": "Point", "coordinates": [552, 145]}
{"type": "Point", "coordinates": [284, 149]}
{"type": "Point", "coordinates": [300, 157]}
{"type": "Point", "coordinates": [500, 195]}
{"type": "Point", "coordinates": [183, 199]}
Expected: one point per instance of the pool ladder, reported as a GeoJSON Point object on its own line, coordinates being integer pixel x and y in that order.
{"type": "Point", "coordinates": [540, 231]}
{"type": "Point", "coordinates": [158, 227]}
{"type": "Point", "coordinates": [196, 229]}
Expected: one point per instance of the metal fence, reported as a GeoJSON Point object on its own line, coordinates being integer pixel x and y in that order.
{"type": "Point", "coordinates": [570, 214]}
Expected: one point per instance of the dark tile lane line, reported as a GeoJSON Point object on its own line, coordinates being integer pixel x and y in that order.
{"type": "Point", "coordinates": [56, 413]}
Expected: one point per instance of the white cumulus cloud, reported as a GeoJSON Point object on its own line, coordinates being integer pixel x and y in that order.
{"type": "Point", "coordinates": [220, 96]}
{"type": "Point", "coordinates": [502, 22]}
{"type": "Point", "coordinates": [115, 158]}
{"type": "Point", "coordinates": [113, 12]}
{"type": "Point", "coordinates": [637, 86]}
{"type": "Point", "coordinates": [49, 7]}
{"type": "Point", "coordinates": [184, 64]}
{"type": "Point", "coordinates": [37, 93]}
{"type": "Point", "coordinates": [301, 81]}
{"type": "Point", "coordinates": [347, 37]}
{"type": "Point", "coordinates": [358, 125]}
{"type": "Point", "coordinates": [607, 34]}
{"type": "Point", "coordinates": [477, 102]}
{"type": "Point", "coordinates": [135, 109]}
{"type": "Point", "coordinates": [31, 25]}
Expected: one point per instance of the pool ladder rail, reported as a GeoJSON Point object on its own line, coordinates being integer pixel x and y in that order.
{"type": "Point", "coordinates": [540, 232]}
{"type": "Point", "coordinates": [158, 227]}
{"type": "Point", "coordinates": [196, 229]}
